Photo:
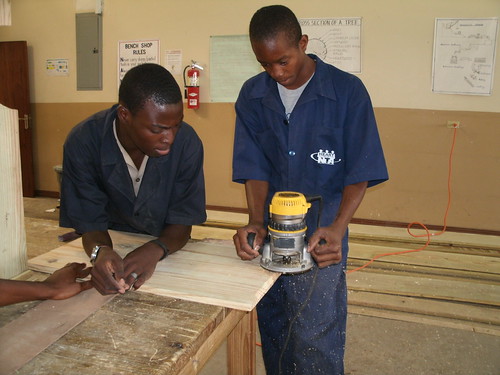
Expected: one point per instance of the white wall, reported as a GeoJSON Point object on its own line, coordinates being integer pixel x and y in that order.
{"type": "Point", "coordinates": [397, 42]}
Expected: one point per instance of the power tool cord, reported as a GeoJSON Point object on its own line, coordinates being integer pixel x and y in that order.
{"type": "Point", "coordinates": [290, 326]}
{"type": "Point", "coordinates": [311, 288]}
{"type": "Point", "coordinates": [427, 233]}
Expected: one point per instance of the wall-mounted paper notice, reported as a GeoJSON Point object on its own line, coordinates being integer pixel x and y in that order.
{"type": "Point", "coordinates": [336, 41]}
{"type": "Point", "coordinates": [173, 61]}
{"type": "Point", "coordinates": [5, 13]}
{"type": "Point", "coordinates": [135, 52]}
{"type": "Point", "coordinates": [232, 62]}
{"type": "Point", "coordinates": [464, 55]}
{"type": "Point", "coordinates": [57, 67]}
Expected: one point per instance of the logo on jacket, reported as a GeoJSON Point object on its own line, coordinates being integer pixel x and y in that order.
{"type": "Point", "coordinates": [325, 157]}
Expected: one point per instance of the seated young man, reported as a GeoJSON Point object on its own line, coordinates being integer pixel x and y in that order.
{"type": "Point", "coordinates": [135, 167]}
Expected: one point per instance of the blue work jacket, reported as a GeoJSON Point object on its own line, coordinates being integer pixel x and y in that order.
{"type": "Point", "coordinates": [330, 140]}
{"type": "Point", "coordinates": [97, 192]}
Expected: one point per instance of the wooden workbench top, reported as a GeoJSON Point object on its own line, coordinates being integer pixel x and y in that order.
{"type": "Point", "coordinates": [137, 333]}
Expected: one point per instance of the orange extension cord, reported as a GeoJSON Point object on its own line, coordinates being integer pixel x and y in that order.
{"type": "Point", "coordinates": [428, 234]}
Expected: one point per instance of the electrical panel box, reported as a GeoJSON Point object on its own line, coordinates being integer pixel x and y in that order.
{"type": "Point", "coordinates": [88, 51]}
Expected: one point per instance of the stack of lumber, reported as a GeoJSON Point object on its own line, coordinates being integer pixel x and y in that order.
{"type": "Point", "coordinates": [454, 282]}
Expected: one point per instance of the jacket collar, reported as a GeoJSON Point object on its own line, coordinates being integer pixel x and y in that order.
{"type": "Point", "coordinates": [116, 172]}
{"type": "Point", "coordinates": [320, 85]}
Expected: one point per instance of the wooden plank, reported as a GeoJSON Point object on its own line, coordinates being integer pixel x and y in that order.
{"type": "Point", "coordinates": [12, 233]}
{"type": "Point", "coordinates": [375, 232]}
{"type": "Point", "coordinates": [31, 276]}
{"type": "Point", "coordinates": [226, 218]}
{"type": "Point", "coordinates": [411, 269]}
{"type": "Point", "coordinates": [427, 287]}
{"type": "Point", "coordinates": [436, 259]}
{"type": "Point", "coordinates": [425, 306]}
{"type": "Point", "coordinates": [425, 319]}
{"type": "Point", "coordinates": [47, 322]}
{"type": "Point", "coordinates": [205, 233]}
{"type": "Point", "coordinates": [201, 272]}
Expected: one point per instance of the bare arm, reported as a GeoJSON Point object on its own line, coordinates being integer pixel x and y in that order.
{"type": "Point", "coordinates": [108, 272]}
{"type": "Point", "coordinates": [256, 194]}
{"type": "Point", "coordinates": [112, 274]}
{"type": "Point", "coordinates": [175, 236]}
{"type": "Point", "coordinates": [61, 284]}
{"type": "Point", "coordinates": [143, 260]}
{"type": "Point", "coordinates": [331, 251]}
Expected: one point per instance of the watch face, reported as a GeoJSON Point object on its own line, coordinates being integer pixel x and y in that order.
{"type": "Point", "coordinates": [95, 251]}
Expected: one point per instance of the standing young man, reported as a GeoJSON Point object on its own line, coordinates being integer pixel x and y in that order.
{"type": "Point", "coordinates": [122, 170]}
{"type": "Point", "coordinates": [305, 126]}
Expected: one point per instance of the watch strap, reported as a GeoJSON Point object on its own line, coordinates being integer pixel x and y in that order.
{"type": "Point", "coordinates": [163, 246]}
{"type": "Point", "coordinates": [95, 252]}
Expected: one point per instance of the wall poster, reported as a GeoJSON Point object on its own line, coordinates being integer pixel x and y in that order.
{"type": "Point", "coordinates": [136, 52]}
{"type": "Point", "coordinates": [336, 41]}
{"type": "Point", "coordinates": [464, 55]}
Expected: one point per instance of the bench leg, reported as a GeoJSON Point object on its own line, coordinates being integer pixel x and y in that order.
{"type": "Point", "coordinates": [241, 346]}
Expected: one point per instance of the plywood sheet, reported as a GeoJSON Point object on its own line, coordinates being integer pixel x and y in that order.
{"type": "Point", "coordinates": [13, 243]}
{"type": "Point", "coordinates": [48, 321]}
{"type": "Point", "coordinates": [133, 334]}
{"type": "Point", "coordinates": [201, 272]}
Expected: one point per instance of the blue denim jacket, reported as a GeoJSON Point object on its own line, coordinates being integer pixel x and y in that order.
{"type": "Point", "coordinates": [97, 192]}
{"type": "Point", "coordinates": [329, 141]}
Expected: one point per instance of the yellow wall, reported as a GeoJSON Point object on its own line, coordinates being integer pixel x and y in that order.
{"type": "Point", "coordinates": [397, 42]}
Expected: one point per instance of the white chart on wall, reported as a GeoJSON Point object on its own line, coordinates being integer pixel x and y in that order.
{"type": "Point", "coordinates": [464, 55]}
{"type": "Point", "coordinates": [336, 41]}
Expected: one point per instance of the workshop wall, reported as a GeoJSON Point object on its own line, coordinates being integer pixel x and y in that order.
{"type": "Point", "coordinates": [397, 43]}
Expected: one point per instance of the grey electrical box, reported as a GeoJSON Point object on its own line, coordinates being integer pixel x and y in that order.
{"type": "Point", "coordinates": [88, 51]}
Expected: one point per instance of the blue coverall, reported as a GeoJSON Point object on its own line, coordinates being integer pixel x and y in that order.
{"type": "Point", "coordinates": [329, 141]}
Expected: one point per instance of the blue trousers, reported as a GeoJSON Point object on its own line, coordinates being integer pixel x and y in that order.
{"type": "Point", "coordinates": [305, 339]}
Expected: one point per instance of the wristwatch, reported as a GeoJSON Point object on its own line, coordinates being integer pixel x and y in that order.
{"type": "Point", "coordinates": [95, 253]}
{"type": "Point", "coordinates": [163, 246]}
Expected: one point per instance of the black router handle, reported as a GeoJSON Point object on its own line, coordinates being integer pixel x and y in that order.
{"type": "Point", "coordinates": [251, 241]}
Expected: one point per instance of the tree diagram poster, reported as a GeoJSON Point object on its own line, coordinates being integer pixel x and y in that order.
{"type": "Point", "coordinates": [336, 41]}
{"type": "Point", "coordinates": [464, 55]}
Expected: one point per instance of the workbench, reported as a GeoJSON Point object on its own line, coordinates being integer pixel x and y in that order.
{"type": "Point", "coordinates": [197, 298]}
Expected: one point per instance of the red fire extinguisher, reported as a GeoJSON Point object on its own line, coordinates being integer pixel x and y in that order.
{"type": "Point", "coordinates": [192, 87]}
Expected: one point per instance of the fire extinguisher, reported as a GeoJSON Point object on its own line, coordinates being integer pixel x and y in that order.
{"type": "Point", "coordinates": [192, 87]}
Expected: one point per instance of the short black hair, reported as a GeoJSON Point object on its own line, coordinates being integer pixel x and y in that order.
{"type": "Point", "coordinates": [272, 20]}
{"type": "Point", "coordinates": [148, 82]}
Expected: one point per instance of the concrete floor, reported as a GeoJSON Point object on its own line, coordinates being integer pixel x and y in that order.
{"type": "Point", "coordinates": [374, 345]}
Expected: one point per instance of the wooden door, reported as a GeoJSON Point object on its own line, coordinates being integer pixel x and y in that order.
{"type": "Point", "coordinates": [15, 94]}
